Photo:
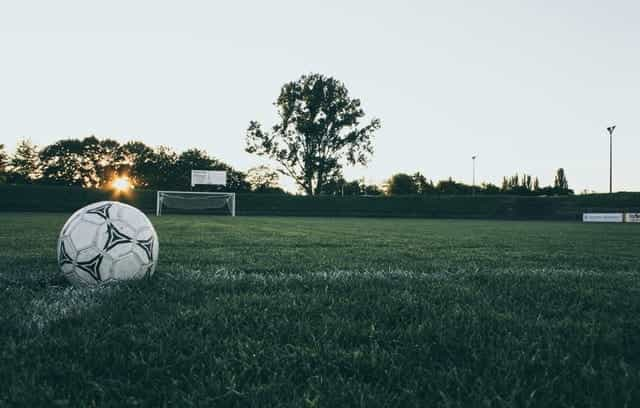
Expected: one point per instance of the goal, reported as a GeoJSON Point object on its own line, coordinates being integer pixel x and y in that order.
{"type": "Point", "coordinates": [196, 202]}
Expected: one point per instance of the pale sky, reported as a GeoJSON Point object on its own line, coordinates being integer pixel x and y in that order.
{"type": "Point", "coordinates": [530, 86]}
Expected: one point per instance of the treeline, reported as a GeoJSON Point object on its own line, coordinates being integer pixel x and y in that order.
{"type": "Point", "coordinates": [94, 163]}
{"type": "Point", "coordinates": [417, 184]}
{"type": "Point", "coordinates": [525, 184]}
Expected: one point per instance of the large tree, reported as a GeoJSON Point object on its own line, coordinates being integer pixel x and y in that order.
{"type": "Point", "coordinates": [319, 131]}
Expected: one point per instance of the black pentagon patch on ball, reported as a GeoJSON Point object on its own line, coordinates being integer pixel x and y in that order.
{"type": "Point", "coordinates": [64, 256]}
{"type": "Point", "coordinates": [102, 211]}
{"type": "Point", "coordinates": [115, 237]}
{"type": "Point", "coordinates": [147, 247]}
{"type": "Point", "coordinates": [92, 266]}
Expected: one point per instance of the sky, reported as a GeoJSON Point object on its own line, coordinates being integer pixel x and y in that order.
{"type": "Point", "coordinates": [528, 86]}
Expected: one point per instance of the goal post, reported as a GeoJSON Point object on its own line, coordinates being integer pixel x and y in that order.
{"type": "Point", "coordinates": [195, 201]}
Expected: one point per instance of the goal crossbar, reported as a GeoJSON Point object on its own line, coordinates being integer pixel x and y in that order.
{"type": "Point", "coordinates": [168, 198]}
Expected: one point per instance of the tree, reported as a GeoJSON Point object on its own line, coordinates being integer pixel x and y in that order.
{"type": "Point", "coordinates": [505, 184]}
{"type": "Point", "coordinates": [372, 189]}
{"type": "Point", "coordinates": [527, 182]}
{"type": "Point", "coordinates": [102, 160]}
{"type": "Point", "coordinates": [488, 188]}
{"type": "Point", "coordinates": [89, 162]}
{"type": "Point", "coordinates": [515, 184]}
{"type": "Point", "coordinates": [137, 155]}
{"type": "Point", "coordinates": [161, 168]}
{"type": "Point", "coordinates": [62, 163]}
{"type": "Point", "coordinates": [236, 180]}
{"type": "Point", "coordinates": [4, 160]}
{"type": "Point", "coordinates": [334, 185]}
{"type": "Point", "coordinates": [560, 182]}
{"type": "Point", "coordinates": [453, 187]}
{"type": "Point", "coordinates": [153, 168]}
{"type": "Point", "coordinates": [352, 188]}
{"type": "Point", "coordinates": [263, 179]}
{"type": "Point", "coordinates": [401, 183]}
{"type": "Point", "coordinates": [318, 132]}
{"type": "Point", "coordinates": [422, 185]}
{"type": "Point", "coordinates": [25, 163]}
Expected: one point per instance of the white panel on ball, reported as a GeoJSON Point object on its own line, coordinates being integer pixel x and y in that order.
{"type": "Point", "coordinates": [106, 242]}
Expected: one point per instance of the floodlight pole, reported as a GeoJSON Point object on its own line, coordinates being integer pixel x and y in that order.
{"type": "Point", "coordinates": [610, 129]}
{"type": "Point", "coordinates": [473, 185]}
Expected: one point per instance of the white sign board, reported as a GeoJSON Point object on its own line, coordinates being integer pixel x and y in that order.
{"type": "Point", "coordinates": [603, 217]}
{"type": "Point", "coordinates": [208, 177]}
{"type": "Point", "coordinates": [632, 217]}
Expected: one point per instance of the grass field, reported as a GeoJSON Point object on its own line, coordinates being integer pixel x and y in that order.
{"type": "Point", "coordinates": [329, 312]}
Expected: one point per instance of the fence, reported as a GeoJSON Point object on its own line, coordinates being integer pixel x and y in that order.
{"type": "Point", "coordinates": [67, 199]}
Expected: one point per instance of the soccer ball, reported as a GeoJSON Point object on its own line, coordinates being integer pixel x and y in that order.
{"type": "Point", "coordinates": [105, 242]}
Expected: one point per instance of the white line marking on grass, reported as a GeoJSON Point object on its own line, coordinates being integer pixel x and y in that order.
{"type": "Point", "coordinates": [224, 274]}
{"type": "Point", "coordinates": [62, 302]}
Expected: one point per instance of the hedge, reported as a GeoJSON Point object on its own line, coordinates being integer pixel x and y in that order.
{"type": "Point", "coordinates": [67, 199]}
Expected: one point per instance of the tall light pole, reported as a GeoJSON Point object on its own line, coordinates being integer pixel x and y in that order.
{"type": "Point", "coordinates": [610, 129]}
{"type": "Point", "coordinates": [473, 185]}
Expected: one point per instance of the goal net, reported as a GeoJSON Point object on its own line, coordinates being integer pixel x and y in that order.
{"type": "Point", "coordinates": [196, 202]}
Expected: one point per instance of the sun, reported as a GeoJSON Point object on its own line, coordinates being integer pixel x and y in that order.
{"type": "Point", "coordinates": [122, 184]}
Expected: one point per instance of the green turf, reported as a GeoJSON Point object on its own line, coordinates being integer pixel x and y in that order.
{"type": "Point", "coordinates": [329, 312]}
